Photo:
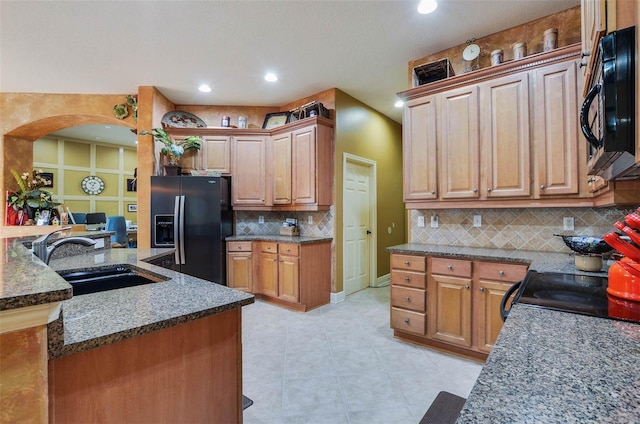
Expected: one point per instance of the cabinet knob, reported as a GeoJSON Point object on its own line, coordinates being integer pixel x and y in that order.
{"type": "Point", "coordinates": [275, 260]}
{"type": "Point", "coordinates": [450, 267]}
{"type": "Point", "coordinates": [239, 247]}
{"type": "Point", "coordinates": [582, 64]}
{"type": "Point", "coordinates": [406, 320]}
{"type": "Point", "coordinates": [288, 250]}
{"type": "Point", "coordinates": [501, 272]}
{"type": "Point", "coordinates": [407, 262]}
{"type": "Point", "coordinates": [542, 187]}
{"type": "Point", "coordinates": [408, 299]}
{"type": "Point", "coordinates": [591, 180]}
{"type": "Point", "coordinates": [433, 192]}
{"type": "Point", "coordinates": [481, 289]}
{"type": "Point", "coordinates": [407, 279]}
{"type": "Point", "coordinates": [467, 287]}
{"type": "Point", "coordinates": [475, 190]}
{"type": "Point", "coordinates": [489, 190]}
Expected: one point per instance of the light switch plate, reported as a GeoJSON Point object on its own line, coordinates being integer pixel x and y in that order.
{"type": "Point", "coordinates": [477, 220]}
{"type": "Point", "coordinates": [569, 223]}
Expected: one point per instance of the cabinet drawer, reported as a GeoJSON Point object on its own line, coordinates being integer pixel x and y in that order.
{"type": "Point", "coordinates": [289, 249]}
{"type": "Point", "coordinates": [455, 267]}
{"type": "Point", "coordinates": [407, 278]}
{"type": "Point", "coordinates": [500, 271]}
{"type": "Point", "coordinates": [409, 262]}
{"type": "Point", "coordinates": [408, 298]}
{"type": "Point", "coordinates": [269, 247]}
{"type": "Point", "coordinates": [411, 322]}
{"type": "Point", "coordinates": [239, 246]}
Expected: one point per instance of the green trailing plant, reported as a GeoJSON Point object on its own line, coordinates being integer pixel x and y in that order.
{"type": "Point", "coordinates": [30, 192]}
{"type": "Point", "coordinates": [172, 149]}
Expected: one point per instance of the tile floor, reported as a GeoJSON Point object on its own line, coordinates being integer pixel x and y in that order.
{"type": "Point", "coordinates": [340, 364]}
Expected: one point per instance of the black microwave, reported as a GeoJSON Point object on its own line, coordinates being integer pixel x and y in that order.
{"type": "Point", "coordinates": [607, 117]}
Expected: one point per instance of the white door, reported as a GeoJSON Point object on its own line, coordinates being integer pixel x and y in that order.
{"type": "Point", "coordinates": [357, 226]}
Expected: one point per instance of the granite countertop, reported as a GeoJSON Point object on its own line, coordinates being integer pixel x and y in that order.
{"type": "Point", "coordinates": [96, 319]}
{"type": "Point", "coordinates": [558, 367]}
{"type": "Point", "coordinates": [280, 239]}
{"type": "Point", "coordinates": [537, 260]}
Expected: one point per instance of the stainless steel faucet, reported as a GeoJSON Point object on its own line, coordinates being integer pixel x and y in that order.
{"type": "Point", "coordinates": [40, 249]}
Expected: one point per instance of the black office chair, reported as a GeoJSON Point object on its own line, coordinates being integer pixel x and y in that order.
{"type": "Point", "coordinates": [96, 218]}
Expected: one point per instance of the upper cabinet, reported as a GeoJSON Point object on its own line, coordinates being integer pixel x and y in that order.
{"type": "Point", "coordinates": [420, 121]}
{"type": "Point", "coordinates": [594, 25]}
{"type": "Point", "coordinates": [285, 168]}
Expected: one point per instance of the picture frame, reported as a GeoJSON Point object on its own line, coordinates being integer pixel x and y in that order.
{"type": "Point", "coordinates": [43, 218]}
{"type": "Point", "coordinates": [49, 177]}
{"type": "Point", "coordinates": [275, 120]}
{"type": "Point", "coordinates": [133, 207]}
{"type": "Point", "coordinates": [132, 184]}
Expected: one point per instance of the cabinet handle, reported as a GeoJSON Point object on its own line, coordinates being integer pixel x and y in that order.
{"type": "Point", "coordinates": [481, 289]}
{"type": "Point", "coordinates": [542, 187]}
{"type": "Point", "coordinates": [585, 54]}
{"type": "Point", "coordinates": [408, 299]}
{"type": "Point", "coordinates": [406, 320]}
{"type": "Point", "coordinates": [288, 250]}
{"type": "Point", "coordinates": [501, 272]}
{"type": "Point", "coordinates": [489, 190]}
{"type": "Point", "coordinates": [407, 279]}
{"type": "Point", "coordinates": [591, 180]}
{"type": "Point", "coordinates": [467, 287]}
{"type": "Point", "coordinates": [407, 262]}
{"type": "Point", "coordinates": [583, 64]}
{"type": "Point", "coordinates": [239, 247]}
{"type": "Point", "coordinates": [450, 267]}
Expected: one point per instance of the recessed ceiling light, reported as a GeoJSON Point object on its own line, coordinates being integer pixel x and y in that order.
{"type": "Point", "coordinates": [271, 77]}
{"type": "Point", "coordinates": [205, 88]}
{"type": "Point", "coordinates": [427, 6]}
{"type": "Point", "coordinates": [399, 103]}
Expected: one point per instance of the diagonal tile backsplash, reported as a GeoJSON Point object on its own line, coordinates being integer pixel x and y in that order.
{"type": "Point", "coordinates": [527, 229]}
{"type": "Point", "coordinates": [247, 223]}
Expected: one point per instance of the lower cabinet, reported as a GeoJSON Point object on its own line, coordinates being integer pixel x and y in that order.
{"type": "Point", "coordinates": [290, 274]}
{"type": "Point", "coordinates": [450, 304]}
{"type": "Point", "coordinates": [240, 266]}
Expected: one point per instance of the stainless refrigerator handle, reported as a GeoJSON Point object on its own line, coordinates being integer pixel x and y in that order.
{"type": "Point", "coordinates": [182, 230]}
{"type": "Point", "coordinates": [176, 231]}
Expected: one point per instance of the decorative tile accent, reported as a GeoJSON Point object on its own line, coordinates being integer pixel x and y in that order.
{"type": "Point", "coordinates": [528, 229]}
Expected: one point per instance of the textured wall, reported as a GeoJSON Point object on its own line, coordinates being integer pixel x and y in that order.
{"type": "Point", "coordinates": [512, 228]}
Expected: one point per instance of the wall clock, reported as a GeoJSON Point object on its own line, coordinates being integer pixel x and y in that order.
{"type": "Point", "coordinates": [471, 56]}
{"type": "Point", "coordinates": [92, 185]}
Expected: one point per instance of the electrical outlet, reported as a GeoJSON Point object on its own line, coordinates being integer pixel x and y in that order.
{"type": "Point", "coordinates": [434, 221]}
{"type": "Point", "coordinates": [260, 219]}
{"type": "Point", "coordinates": [477, 220]}
{"type": "Point", "coordinates": [310, 220]}
{"type": "Point", "coordinates": [421, 221]}
{"type": "Point", "coordinates": [569, 223]}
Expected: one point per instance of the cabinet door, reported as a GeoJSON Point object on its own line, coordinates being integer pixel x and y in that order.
{"type": "Point", "coordinates": [249, 171]}
{"type": "Point", "coordinates": [240, 271]}
{"type": "Point", "coordinates": [269, 274]}
{"type": "Point", "coordinates": [593, 27]}
{"type": "Point", "coordinates": [288, 278]}
{"type": "Point", "coordinates": [281, 148]}
{"type": "Point", "coordinates": [449, 309]}
{"type": "Point", "coordinates": [487, 314]}
{"type": "Point", "coordinates": [191, 159]}
{"type": "Point", "coordinates": [217, 153]}
{"type": "Point", "coordinates": [303, 166]}
{"type": "Point", "coordinates": [504, 105]}
{"type": "Point", "coordinates": [459, 147]}
{"type": "Point", "coordinates": [419, 149]}
{"type": "Point", "coordinates": [556, 129]}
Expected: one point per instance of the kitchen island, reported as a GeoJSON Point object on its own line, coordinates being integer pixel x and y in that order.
{"type": "Point", "coordinates": [162, 351]}
{"type": "Point", "coordinates": [558, 367]}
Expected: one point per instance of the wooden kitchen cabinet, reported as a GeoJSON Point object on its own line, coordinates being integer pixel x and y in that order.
{"type": "Point", "coordinates": [450, 304]}
{"type": "Point", "coordinates": [593, 26]}
{"type": "Point", "coordinates": [302, 168]}
{"type": "Point", "coordinates": [449, 293]}
{"type": "Point", "coordinates": [217, 153]}
{"type": "Point", "coordinates": [291, 274]}
{"type": "Point", "coordinates": [408, 293]}
{"type": "Point", "coordinates": [240, 265]}
{"type": "Point", "coordinates": [249, 161]}
{"type": "Point", "coordinates": [419, 149]}
{"type": "Point", "coordinates": [556, 140]}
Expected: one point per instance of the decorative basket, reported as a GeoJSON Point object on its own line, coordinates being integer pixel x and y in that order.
{"type": "Point", "coordinates": [289, 231]}
{"type": "Point", "coordinates": [309, 109]}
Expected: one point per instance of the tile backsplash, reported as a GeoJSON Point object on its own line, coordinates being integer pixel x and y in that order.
{"type": "Point", "coordinates": [247, 223]}
{"type": "Point", "coordinates": [527, 229]}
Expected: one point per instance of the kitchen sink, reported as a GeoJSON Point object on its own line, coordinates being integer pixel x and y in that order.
{"type": "Point", "coordinates": [108, 278]}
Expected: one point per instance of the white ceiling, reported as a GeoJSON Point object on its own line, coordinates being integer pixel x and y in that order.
{"type": "Point", "coordinates": [361, 47]}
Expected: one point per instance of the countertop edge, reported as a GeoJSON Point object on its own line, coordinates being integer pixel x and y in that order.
{"type": "Point", "coordinates": [280, 239]}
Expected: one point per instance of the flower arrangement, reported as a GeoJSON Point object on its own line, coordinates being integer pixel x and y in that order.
{"type": "Point", "coordinates": [172, 149]}
{"type": "Point", "coordinates": [31, 193]}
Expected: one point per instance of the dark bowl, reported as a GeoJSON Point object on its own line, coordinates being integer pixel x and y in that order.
{"type": "Point", "coordinates": [586, 245]}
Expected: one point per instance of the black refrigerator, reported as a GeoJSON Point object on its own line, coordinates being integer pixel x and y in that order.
{"type": "Point", "coordinates": [193, 215]}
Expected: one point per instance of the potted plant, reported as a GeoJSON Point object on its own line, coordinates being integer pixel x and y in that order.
{"type": "Point", "coordinates": [30, 196]}
{"type": "Point", "coordinates": [173, 150]}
